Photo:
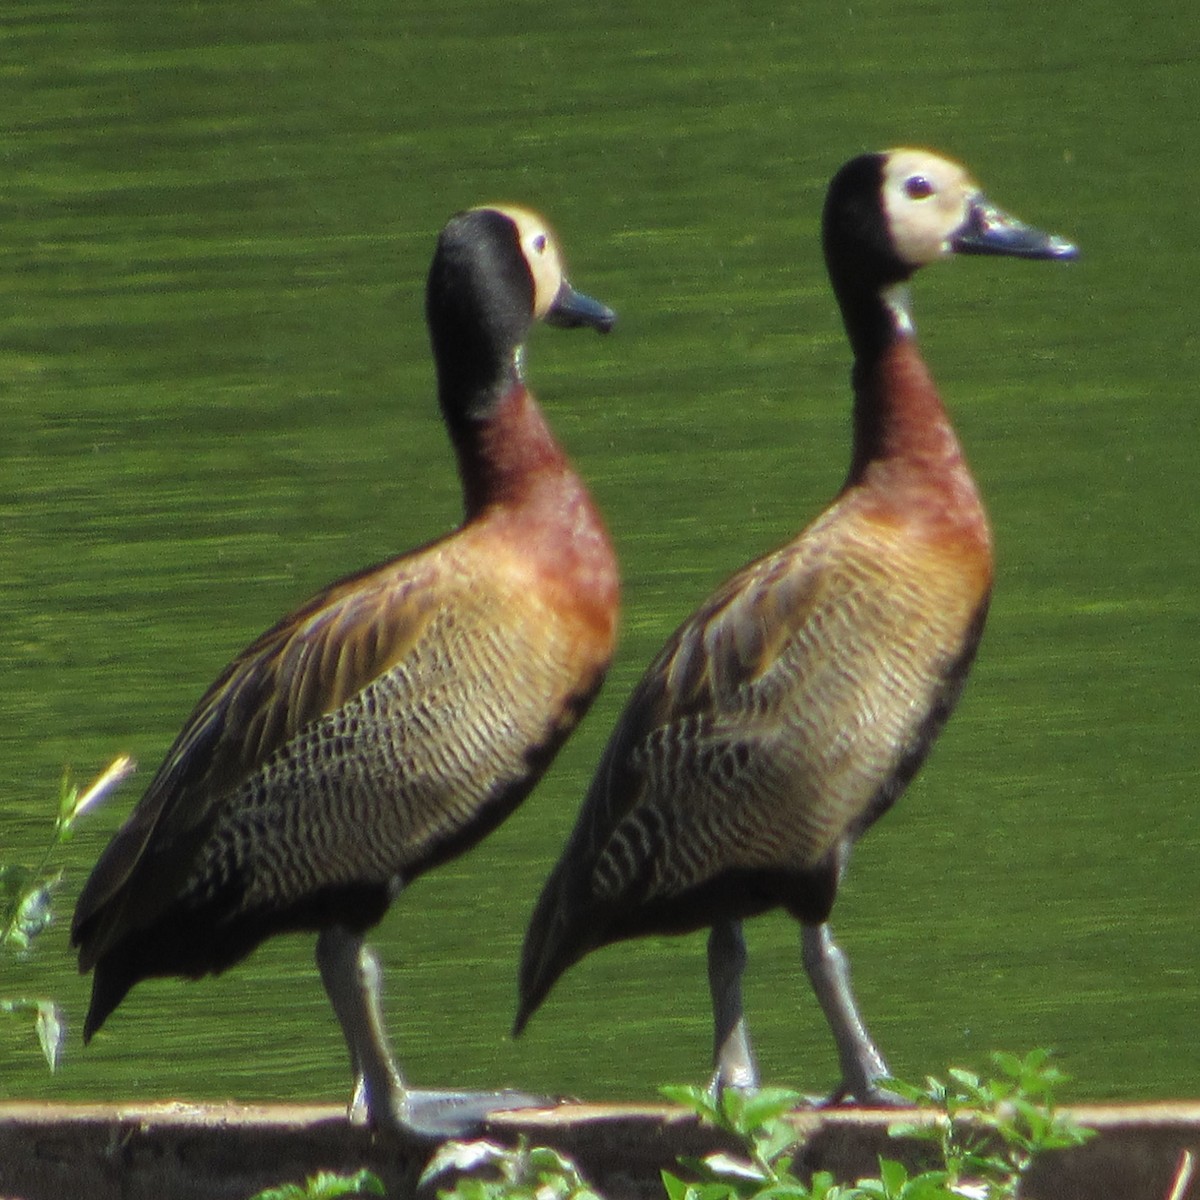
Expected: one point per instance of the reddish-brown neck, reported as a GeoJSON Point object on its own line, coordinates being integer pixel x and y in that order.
{"type": "Point", "coordinates": [516, 474]}
{"type": "Point", "coordinates": [898, 414]}
{"type": "Point", "coordinates": [509, 455]}
{"type": "Point", "coordinates": [906, 453]}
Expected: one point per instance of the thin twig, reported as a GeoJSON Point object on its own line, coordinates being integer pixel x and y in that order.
{"type": "Point", "coordinates": [1183, 1176]}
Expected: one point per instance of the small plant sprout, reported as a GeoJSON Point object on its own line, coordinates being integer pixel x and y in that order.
{"type": "Point", "coordinates": [988, 1133]}
{"type": "Point", "coordinates": [756, 1120]}
{"type": "Point", "coordinates": [508, 1173]}
{"type": "Point", "coordinates": [326, 1186]}
{"type": "Point", "coordinates": [27, 894]}
{"type": "Point", "coordinates": [759, 1122]}
{"type": "Point", "coordinates": [991, 1130]}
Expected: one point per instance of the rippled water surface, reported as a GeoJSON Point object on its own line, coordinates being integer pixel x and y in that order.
{"type": "Point", "coordinates": [217, 397]}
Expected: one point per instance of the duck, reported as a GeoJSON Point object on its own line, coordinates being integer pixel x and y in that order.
{"type": "Point", "coordinates": [790, 711]}
{"type": "Point", "coordinates": [396, 718]}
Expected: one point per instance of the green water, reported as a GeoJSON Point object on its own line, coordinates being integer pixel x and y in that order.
{"type": "Point", "coordinates": [217, 396]}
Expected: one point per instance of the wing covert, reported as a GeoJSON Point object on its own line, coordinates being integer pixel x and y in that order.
{"type": "Point", "coordinates": [304, 667]}
{"type": "Point", "coordinates": [773, 718]}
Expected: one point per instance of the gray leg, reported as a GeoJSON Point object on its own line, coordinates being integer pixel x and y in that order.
{"type": "Point", "coordinates": [733, 1058]}
{"type": "Point", "coordinates": [352, 978]}
{"type": "Point", "coordinates": [353, 981]}
{"type": "Point", "coordinates": [829, 972]}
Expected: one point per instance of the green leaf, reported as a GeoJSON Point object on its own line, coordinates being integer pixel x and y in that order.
{"type": "Point", "coordinates": [906, 1091]}
{"type": "Point", "coordinates": [462, 1157]}
{"type": "Point", "coordinates": [543, 1159]}
{"type": "Point", "coordinates": [923, 1131]}
{"type": "Point", "coordinates": [33, 915]}
{"type": "Point", "coordinates": [677, 1189]}
{"type": "Point", "coordinates": [713, 1189]}
{"type": "Point", "coordinates": [51, 1031]}
{"type": "Point", "coordinates": [48, 1024]}
{"type": "Point", "coordinates": [724, 1168]}
{"type": "Point", "coordinates": [776, 1140]}
{"type": "Point", "coordinates": [767, 1105]}
{"type": "Point", "coordinates": [822, 1186]}
{"type": "Point", "coordinates": [875, 1189]}
{"type": "Point", "coordinates": [326, 1186]}
{"type": "Point", "coordinates": [791, 1189]}
{"type": "Point", "coordinates": [330, 1187]}
{"type": "Point", "coordinates": [13, 879]}
{"type": "Point", "coordinates": [285, 1191]}
{"type": "Point", "coordinates": [699, 1100]}
{"type": "Point", "coordinates": [1066, 1133]}
{"type": "Point", "coordinates": [894, 1175]}
{"type": "Point", "coordinates": [932, 1185]}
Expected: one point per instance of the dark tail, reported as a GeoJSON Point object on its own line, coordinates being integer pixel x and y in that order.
{"type": "Point", "coordinates": [533, 987]}
{"type": "Point", "coordinates": [110, 984]}
{"type": "Point", "coordinates": [552, 945]}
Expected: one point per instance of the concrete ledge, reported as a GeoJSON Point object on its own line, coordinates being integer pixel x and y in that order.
{"type": "Point", "coordinates": [175, 1151]}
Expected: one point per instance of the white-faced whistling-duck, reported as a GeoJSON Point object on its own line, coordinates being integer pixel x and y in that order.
{"type": "Point", "coordinates": [398, 716]}
{"type": "Point", "coordinates": [791, 710]}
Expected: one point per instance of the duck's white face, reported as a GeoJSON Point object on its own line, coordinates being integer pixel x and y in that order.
{"type": "Point", "coordinates": [540, 248]}
{"type": "Point", "coordinates": [926, 200]}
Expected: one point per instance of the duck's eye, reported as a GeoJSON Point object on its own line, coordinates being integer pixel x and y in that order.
{"type": "Point", "coordinates": [539, 243]}
{"type": "Point", "coordinates": [917, 187]}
